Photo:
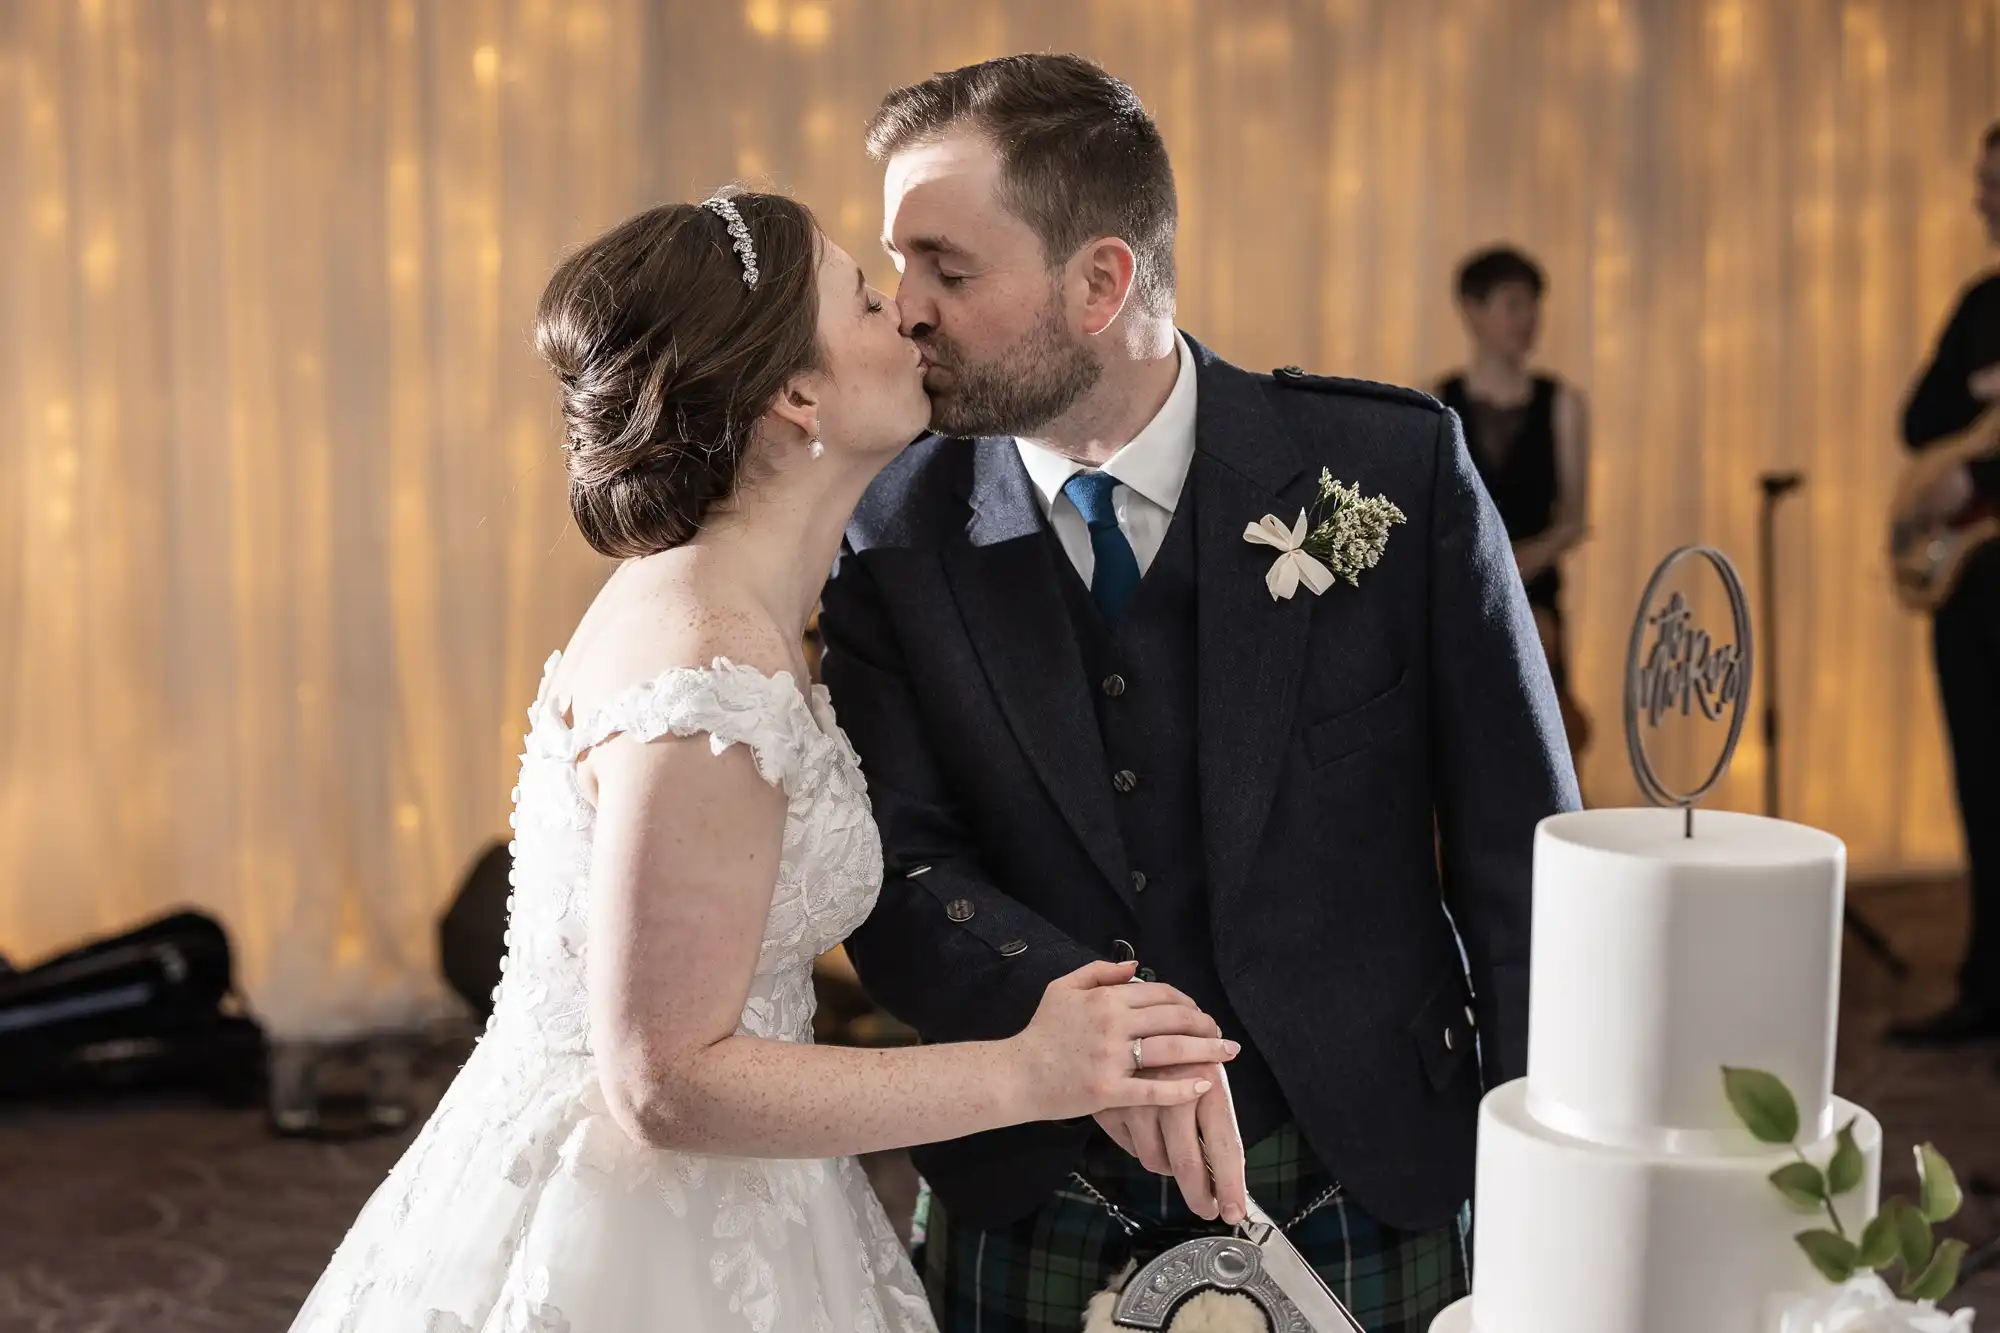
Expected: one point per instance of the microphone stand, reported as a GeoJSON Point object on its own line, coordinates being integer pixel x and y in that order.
{"type": "Point", "coordinates": [1776, 486]}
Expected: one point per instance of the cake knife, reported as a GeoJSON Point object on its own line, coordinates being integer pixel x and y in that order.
{"type": "Point", "coordinates": [1294, 1276]}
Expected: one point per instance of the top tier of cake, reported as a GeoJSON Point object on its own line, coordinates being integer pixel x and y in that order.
{"type": "Point", "coordinates": [1659, 959]}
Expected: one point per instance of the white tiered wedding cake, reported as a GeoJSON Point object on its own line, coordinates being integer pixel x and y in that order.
{"type": "Point", "coordinates": [1617, 1191]}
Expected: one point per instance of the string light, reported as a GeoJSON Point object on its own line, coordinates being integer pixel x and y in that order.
{"type": "Point", "coordinates": [766, 18]}
{"type": "Point", "coordinates": [810, 25]}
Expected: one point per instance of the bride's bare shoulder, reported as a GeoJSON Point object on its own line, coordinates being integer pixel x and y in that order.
{"type": "Point", "coordinates": [634, 633]}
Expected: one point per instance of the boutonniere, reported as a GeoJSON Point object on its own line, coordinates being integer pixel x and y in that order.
{"type": "Point", "coordinates": [1348, 538]}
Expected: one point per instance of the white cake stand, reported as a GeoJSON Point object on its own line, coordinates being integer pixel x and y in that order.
{"type": "Point", "coordinates": [1457, 1318]}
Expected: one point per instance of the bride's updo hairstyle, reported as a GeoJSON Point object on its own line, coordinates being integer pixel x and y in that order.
{"type": "Point", "coordinates": [667, 359]}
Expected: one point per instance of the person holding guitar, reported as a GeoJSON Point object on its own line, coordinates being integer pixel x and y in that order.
{"type": "Point", "coordinates": [1530, 439]}
{"type": "Point", "coordinates": [1955, 481]}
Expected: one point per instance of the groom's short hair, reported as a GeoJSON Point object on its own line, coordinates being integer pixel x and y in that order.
{"type": "Point", "coordinates": [1079, 156]}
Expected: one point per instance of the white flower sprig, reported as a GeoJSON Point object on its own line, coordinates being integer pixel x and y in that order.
{"type": "Point", "coordinates": [1346, 540]}
{"type": "Point", "coordinates": [1352, 537]}
{"type": "Point", "coordinates": [1864, 1304]}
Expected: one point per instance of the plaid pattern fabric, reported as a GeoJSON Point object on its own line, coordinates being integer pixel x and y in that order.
{"type": "Point", "coordinates": [1036, 1275]}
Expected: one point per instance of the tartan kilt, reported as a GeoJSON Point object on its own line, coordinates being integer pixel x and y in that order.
{"type": "Point", "coordinates": [1036, 1275]}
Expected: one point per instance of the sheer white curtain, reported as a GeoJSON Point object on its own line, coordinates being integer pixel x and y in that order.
{"type": "Point", "coordinates": [284, 543]}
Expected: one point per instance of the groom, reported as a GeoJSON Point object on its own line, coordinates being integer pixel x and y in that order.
{"type": "Point", "coordinates": [1090, 729]}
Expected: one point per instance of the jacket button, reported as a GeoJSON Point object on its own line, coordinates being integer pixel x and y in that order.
{"type": "Point", "coordinates": [1138, 881]}
{"type": "Point", "coordinates": [1013, 948]}
{"type": "Point", "coordinates": [1449, 1042]}
{"type": "Point", "coordinates": [960, 910]}
{"type": "Point", "coordinates": [1146, 974]}
{"type": "Point", "coordinates": [1291, 372]}
{"type": "Point", "coordinates": [1122, 951]}
{"type": "Point", "coordinates": [1124, 780]}
{"type": "Point", "coordinates": [1114, 685]}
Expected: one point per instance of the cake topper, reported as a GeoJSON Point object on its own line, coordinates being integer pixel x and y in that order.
{"type": "Point", "coordinates": [1683, 670]}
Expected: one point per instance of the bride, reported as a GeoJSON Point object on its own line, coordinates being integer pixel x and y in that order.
{"type": "Point", "coordinates": [646, 1137]}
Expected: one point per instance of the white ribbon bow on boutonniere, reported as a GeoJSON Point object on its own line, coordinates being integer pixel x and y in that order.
{"type": "Point", "coordinates": [1294, 565]}
{"type": "Point", "coordinates": [1349, 539]}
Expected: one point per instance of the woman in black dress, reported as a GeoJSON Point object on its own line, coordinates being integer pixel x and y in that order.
{"type": "Point", "coordinates": [1529, 437]}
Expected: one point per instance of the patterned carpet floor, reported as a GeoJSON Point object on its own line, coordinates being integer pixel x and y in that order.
{"type": "Point", "coordinates": [152, 1217]}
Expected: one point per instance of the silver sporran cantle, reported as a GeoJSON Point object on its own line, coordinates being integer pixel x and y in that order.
{"type": "Point", "coordinates": [1256, 1262]}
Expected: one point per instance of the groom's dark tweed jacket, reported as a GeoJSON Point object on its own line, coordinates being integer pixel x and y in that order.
{"type": "Point", "coordinates": [1272, 769]}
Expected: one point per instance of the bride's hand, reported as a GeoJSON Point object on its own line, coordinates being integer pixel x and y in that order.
{"type": "Point", "coordinates": [1075, 1058]}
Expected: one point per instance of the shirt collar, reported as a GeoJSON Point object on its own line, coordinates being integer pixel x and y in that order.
{"type": "Point", "coordinates": [1153, 463]}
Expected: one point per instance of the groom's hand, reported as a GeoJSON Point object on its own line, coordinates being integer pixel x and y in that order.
{"type": "Point", "coordinates": [1197, 1144]}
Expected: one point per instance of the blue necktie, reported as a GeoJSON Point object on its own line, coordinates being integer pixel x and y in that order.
{"type": "Point", "coordinates": [1116, 575]}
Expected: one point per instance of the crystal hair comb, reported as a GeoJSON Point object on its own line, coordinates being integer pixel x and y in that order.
{"type": "Point", "coordinates": [739, 232]}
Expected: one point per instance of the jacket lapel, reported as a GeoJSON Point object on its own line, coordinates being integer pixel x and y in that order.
{"type": "Point", "coordinates": [1005, 579]}
{"type": "Point", "coordinates": [1251, 649]}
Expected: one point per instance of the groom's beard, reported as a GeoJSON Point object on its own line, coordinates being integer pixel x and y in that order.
{"type": "Point", "coordinates": [1016, 393]}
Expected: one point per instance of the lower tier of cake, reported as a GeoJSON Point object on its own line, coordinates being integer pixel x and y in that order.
{"type": "Point", "coordinates": [1571, 1236]}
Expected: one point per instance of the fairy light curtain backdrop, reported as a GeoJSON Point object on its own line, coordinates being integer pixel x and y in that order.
{"type": "Point", "coordinates": [281, 510]}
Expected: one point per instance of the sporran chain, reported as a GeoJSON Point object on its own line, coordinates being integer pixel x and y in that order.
{"type": "Point", "coordinates": [1132, 1226]}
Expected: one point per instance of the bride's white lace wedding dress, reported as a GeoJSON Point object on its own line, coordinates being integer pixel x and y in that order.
{"type": "Point", "coordinates": [522, 1207]}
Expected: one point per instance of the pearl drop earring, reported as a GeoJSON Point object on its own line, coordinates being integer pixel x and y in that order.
{"type": "Point", "coordinates": [816, 449]}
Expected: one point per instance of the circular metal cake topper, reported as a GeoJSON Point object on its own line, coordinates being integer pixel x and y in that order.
{"type": "Point", "coordinates": [1684, 669]}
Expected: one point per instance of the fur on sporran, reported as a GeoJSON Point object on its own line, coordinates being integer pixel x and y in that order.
{"type": "Point", "coordinates": [1204, 1312]}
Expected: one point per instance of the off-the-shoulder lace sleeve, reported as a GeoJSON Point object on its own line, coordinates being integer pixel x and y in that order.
{"type": "Point", "coordinates": [731, 704]}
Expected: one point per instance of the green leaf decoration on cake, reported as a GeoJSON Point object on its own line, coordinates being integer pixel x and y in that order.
{"type": "Point", "coordinates": [1879, 1243]}
{"type": "Point", "coordinates": [1940, 1196]}
{"type": "Point", "coordinates": [1763, 1103]}
{"type": "Point", "coordinates": [1899, 1233]}
{"type": "Point", "coordinates": [1844, 1172]}
{"type": "Point", "coordinates": [1913, 1234]}
{"type": "Point", "coordinates": [1939, 1276]}
{"type": "Point", "coordinates": [1833, 1255]}
{"type": "Point", "coordinates": [1802, 1185]}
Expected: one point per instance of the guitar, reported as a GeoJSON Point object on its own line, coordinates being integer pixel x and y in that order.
{"type": "Point", "coordinates": [1926, 557]}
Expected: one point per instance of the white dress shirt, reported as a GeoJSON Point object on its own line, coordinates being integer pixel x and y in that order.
{"type": "Point", "coordinates": [1151, 470]}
